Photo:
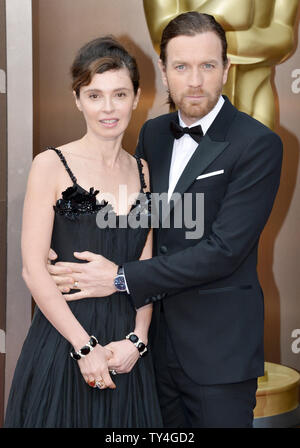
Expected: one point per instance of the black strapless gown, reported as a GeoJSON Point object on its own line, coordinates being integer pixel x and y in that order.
{"type": "Point", "coordinates": [48, 389]}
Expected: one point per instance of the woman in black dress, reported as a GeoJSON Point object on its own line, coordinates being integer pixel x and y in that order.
{"type": "Point", "coordinates": [84, 196]}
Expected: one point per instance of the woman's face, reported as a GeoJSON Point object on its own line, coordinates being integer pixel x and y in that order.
{"type": "Point", "coordinates": [107, 103]}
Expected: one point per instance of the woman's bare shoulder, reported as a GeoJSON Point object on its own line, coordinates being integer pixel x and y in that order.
{"type": "Point", "coordinates": [44, 165]}
{"type": "Point", "coordinates": [45, 159]}
{"type": "Point", "coordinates": [50, 158]}
{"type": "Point", "coordinates": [41, 181]}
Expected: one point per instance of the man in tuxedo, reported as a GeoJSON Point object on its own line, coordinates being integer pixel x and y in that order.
{"type": "Point", "coordinates": [209, 311]}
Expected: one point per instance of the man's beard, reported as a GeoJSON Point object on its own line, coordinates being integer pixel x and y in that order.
{"type": "Point", "coordinates": [194, 109]}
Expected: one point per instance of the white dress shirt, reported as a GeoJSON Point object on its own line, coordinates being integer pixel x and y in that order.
{"type": "Point", "coordinates": [184, 147]}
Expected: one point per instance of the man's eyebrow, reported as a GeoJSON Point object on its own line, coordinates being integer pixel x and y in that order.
{"type": "Point", "coordinates": [205, 61]}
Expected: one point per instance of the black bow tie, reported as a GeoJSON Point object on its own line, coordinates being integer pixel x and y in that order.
{"type": "Point", "coordinates": [195, 132]}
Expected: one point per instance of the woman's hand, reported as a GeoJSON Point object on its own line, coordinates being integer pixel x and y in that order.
{"type": "Point", "coordinates": [94, 367]}
{"type": "Point", "coordinates": [124, 356]}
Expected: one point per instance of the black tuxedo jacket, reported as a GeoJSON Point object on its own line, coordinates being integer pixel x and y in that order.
{"type": "Point", "coordinates": [212, 299]}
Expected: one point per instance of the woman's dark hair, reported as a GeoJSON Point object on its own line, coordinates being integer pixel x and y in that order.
{"type": "Point", "coordinates": [98, 56]}
{"type": "Point", "coordinates": [190, 24]}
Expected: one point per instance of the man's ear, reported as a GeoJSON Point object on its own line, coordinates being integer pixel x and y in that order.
{"type": "Point", "coordinates": [77, 101]}
{"type": "Point", "coordinates": [162, 69]}
{"type": "Point", "coordinates": [226, 70]}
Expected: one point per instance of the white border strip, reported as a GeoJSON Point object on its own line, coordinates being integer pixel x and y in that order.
{"type": "Point", "coordinates": [2, 81]}
{"type": "Point", "coordinates": [2, 341]}
{"type": "Point", "coordinates": [19, 145]}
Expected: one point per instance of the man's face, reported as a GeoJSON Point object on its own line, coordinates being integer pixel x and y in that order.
{"type": "Point", "coordinates": [194, 74]}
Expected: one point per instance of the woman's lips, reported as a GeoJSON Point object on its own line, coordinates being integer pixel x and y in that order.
{"type": "Point", "coordinates": [109, 122]}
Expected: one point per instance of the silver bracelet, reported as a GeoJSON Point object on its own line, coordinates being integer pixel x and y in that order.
{"type": "Point", "coordinates": [85, 350]}
{"type": "Point", "coordinates": [140, 345]}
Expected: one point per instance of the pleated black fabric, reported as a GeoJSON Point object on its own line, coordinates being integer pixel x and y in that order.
{"type": "Point", "coordinates": [48, 390]}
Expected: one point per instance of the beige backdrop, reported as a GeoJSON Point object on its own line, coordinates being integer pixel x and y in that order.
{"type": "Point", "coordinates": [62, 26]}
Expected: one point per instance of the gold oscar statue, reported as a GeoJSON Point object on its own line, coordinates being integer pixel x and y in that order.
{"type": "Point", "coordinates": [260, 34]}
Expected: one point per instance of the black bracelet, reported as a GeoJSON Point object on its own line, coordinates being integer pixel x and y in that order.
{"type": "Point", "coordinates": [140, 345]}
{"type": "Point", "coordinates": [85, 350]}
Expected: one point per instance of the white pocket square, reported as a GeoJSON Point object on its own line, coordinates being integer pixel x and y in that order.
{"type": "Point", "coordinates": [213, 173]}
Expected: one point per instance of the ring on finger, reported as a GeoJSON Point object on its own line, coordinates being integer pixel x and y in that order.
{"type": "Point", "coordinates": [100, 384]}
{"type": "Point", "coordinates": [92, 383]}
{"type": "Point", "coordinates": [113, 372]}
{"type": "Point", "coordinates": [75, 284]}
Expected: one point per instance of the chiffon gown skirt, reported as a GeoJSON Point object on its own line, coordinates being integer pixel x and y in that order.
{"type": "Point", "coordinates": [48, 389]}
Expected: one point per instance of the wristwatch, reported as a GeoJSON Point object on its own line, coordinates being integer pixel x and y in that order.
{"type": "Point", "coordinates": [119, 280]}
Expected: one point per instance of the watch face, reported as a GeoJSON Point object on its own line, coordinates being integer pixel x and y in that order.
{"type": "Point", "coordinates": [120, 283]}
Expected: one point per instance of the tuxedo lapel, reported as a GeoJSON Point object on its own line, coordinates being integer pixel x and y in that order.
{"type": "Point", "coordinates": [205, 154]}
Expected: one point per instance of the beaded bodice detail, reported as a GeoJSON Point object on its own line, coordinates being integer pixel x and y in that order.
{"type": "Point", "coordinates": [76, 201]}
